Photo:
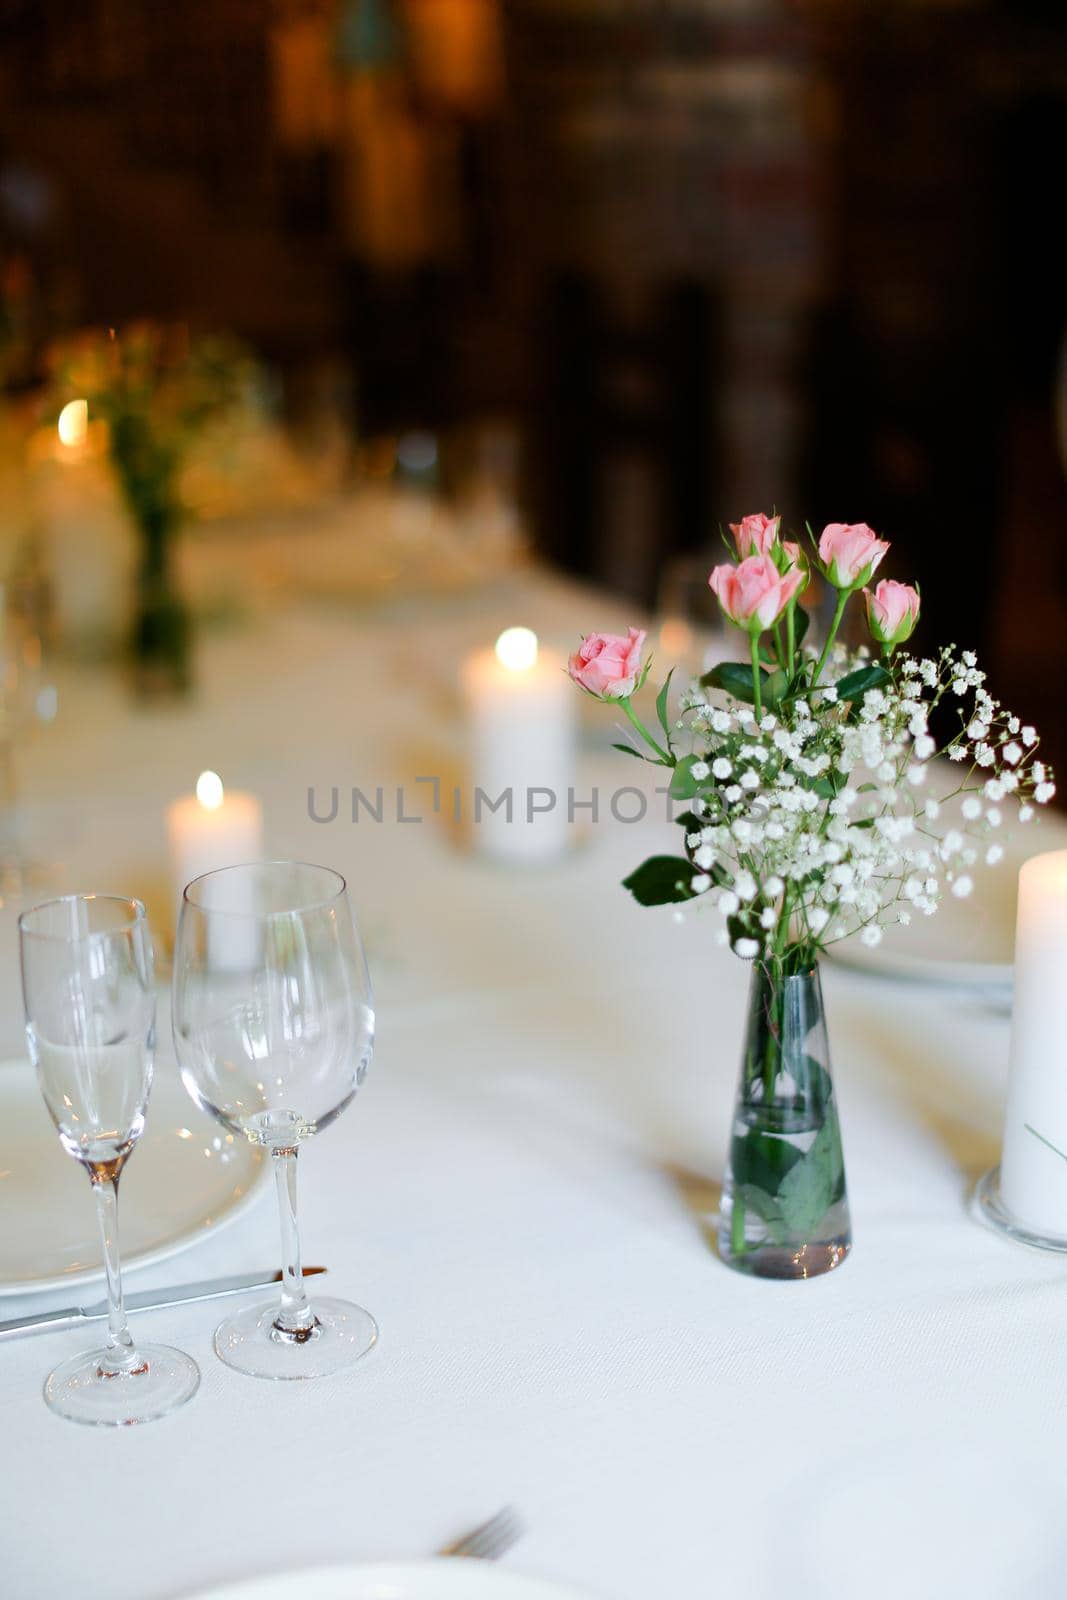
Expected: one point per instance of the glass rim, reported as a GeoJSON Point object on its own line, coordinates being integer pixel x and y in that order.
{"type": "Point", "coordinates": [138, 917]}
{"type": "Point", "coordinates": [194, 904]}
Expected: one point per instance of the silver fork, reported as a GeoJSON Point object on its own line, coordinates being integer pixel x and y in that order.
{"type": "Point", "coordinates": [490, 1541]}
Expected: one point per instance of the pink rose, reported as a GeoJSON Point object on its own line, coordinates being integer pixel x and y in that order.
{"type": "Point", "coordinates": [892, 612]}
{"type": "Point", "coordinates": [754, 593]}
{"type": "Point", "coordinates": [850, 551]}
{"type": "Point", "coordinates": [607, 664]}
{"type": "Point", "coordinates": [797, 556]}
{"type": "Point", "coordinates": [754, 535]}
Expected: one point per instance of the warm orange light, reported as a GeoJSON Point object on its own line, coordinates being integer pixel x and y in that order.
{"type": "Point", "coordinates": [73, 423]}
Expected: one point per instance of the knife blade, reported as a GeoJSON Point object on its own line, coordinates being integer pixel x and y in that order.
{"type": "Point", "coordinates": [145, 1300]}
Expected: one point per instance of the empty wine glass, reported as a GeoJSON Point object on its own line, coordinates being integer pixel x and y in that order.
{"type": "Point", "coordinates": [274, 1028]}
{"type": "Point", "coordinates": [88, 988]}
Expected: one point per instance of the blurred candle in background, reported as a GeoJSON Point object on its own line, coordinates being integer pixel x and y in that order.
{"type": "Point", "coordinates": [1033, 1178]}
{"type": "Point", "coordinates": [208, 830]}
{"type": "Point", "coordinates": [521, 707]}
{"type": "Point", "coordinates": [89, 542]}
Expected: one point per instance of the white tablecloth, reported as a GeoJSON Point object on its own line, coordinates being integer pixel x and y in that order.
{"type": "Point", "coordinates": [521, 1196]}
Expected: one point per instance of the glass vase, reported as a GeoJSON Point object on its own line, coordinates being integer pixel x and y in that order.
{"type": "Point", "coordinates": [784, 1204]}
{"type": "Point", "coordinates": [162, 629]}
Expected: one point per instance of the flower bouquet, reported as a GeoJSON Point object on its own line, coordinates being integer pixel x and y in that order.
{"type": "Point", "coordinates": [819, 805]}
{"type": "Point", "coordinates": [155, 386]}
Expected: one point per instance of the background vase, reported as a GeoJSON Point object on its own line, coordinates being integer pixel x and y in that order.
{"type": "Point", "coordinates": [784, 1204]}
{"type": "Point", "coordinates": [162, 630]}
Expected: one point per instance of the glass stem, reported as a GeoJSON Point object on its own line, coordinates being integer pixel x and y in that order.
{"type": "Point", "coordinates": [295, 1320]}
{"type": "Point", "coordinates": [121, 1357]}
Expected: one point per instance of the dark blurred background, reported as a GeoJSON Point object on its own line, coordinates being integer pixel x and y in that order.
{"type": "Point", "coordinates": [694, 258]}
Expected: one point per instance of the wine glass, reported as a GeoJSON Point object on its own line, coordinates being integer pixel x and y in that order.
{"type": "Point", "coordinates": [274, 1028]}
{"type": "Point", "coordinates": [88, 988]}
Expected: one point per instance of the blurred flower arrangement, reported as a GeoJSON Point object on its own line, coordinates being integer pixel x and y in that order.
{"type": "Point", "coordinates": [818, 807]}
{"type": "Point", "coordinates": [155, 387]}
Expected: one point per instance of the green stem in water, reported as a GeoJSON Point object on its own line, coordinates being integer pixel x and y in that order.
{"type": "Point", "coordinates": [839, 611]}
{"type": "Point", "coordinates": [753, 640]}
{"type": "Point", "coordinates": [737, 1224]}
{"type": "Point", "coordinates": [643, 731]}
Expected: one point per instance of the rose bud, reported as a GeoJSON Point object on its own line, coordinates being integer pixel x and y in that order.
{"type": "Point", "coordinates": [892, 612]}
{"type": "Point", "coordinates": [850, 551]}
{"type": "Point", "coordinates": [755, 535]}
{"type": "Point", "coordinates": [607, 664]}
{"type": "Point", "coordinates": [754, 593]}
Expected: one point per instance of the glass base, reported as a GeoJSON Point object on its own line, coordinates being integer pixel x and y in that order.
{"type": "Point", "coordinates": [249, 1342]}
{"type": "Point", "coordinates": [990, 1208]}
{"type": "Point", "coordinates": [81, 1391]}
{"type": "Point", "coordinates": [790, 1261]}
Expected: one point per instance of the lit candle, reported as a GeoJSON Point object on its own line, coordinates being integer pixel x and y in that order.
{"type": "Point", "coordinates": [521, 708]}
{"type": "Point", "coordinates": [87, 536]}
{"type": "Point", "coordinates": [1033, 1178]}
{"type": "Point", "coordinates": [210, 829]}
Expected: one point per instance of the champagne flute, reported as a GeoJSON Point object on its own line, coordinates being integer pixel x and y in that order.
{"type": "Point", "coordinates": [274, 1027]}
{"type": "Point", "coordinates": [88, 989]}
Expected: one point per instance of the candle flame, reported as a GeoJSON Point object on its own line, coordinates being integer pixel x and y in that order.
{"type": "Point", "coordinates": [209, 791]}
{"type": "Point", "coordinates": [73, 424]}
{"type": "Point", "coordinates": [516, 649]}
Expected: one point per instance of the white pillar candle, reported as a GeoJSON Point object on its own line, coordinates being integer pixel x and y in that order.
{"type": "Point", "coordinates": [1033, 1178]}
{"type": "Point", "coordinates": [88, 538]}
{"type": "Point", "coordinates": [208, 830]}
{"type": "Point", "coordinates": [522, 717]}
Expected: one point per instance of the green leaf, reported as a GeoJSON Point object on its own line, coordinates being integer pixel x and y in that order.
{"type": "Point", "coordinates": [801, 624]}
{"type": "Point", "coordinates": [774, 688]}
{"type": "Point", "coordinates": [766, 1208]}
{"type": "Point", "coordinates": [691, 822]}
{"type": "Point", "coordinates": [683, 785]}
{"type": "Point", "coordinates": [628, 750]}
{"type": "Point", "coordinates": [856, 684]}
{"type": "Point", "coordinates": [762, 1159]}
{"type": "Point", "coordinates": [661, 706]}
{"type": "Point", "coordinates": [812, 1186]}
{"type": "Point", "coordinates": [830, 784]}
{"type": "Point", "coordinates": [735, 677]}
{"type": "Point", "coordinates": [660, 881]}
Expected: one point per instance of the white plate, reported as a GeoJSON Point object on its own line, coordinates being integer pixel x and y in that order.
{"type": "Point", "coordinates": [966, 943]}
{"type": "Point", "coordinates": [420, 1580]}
{"type": "Point", "coordinates": [186, 1178]}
